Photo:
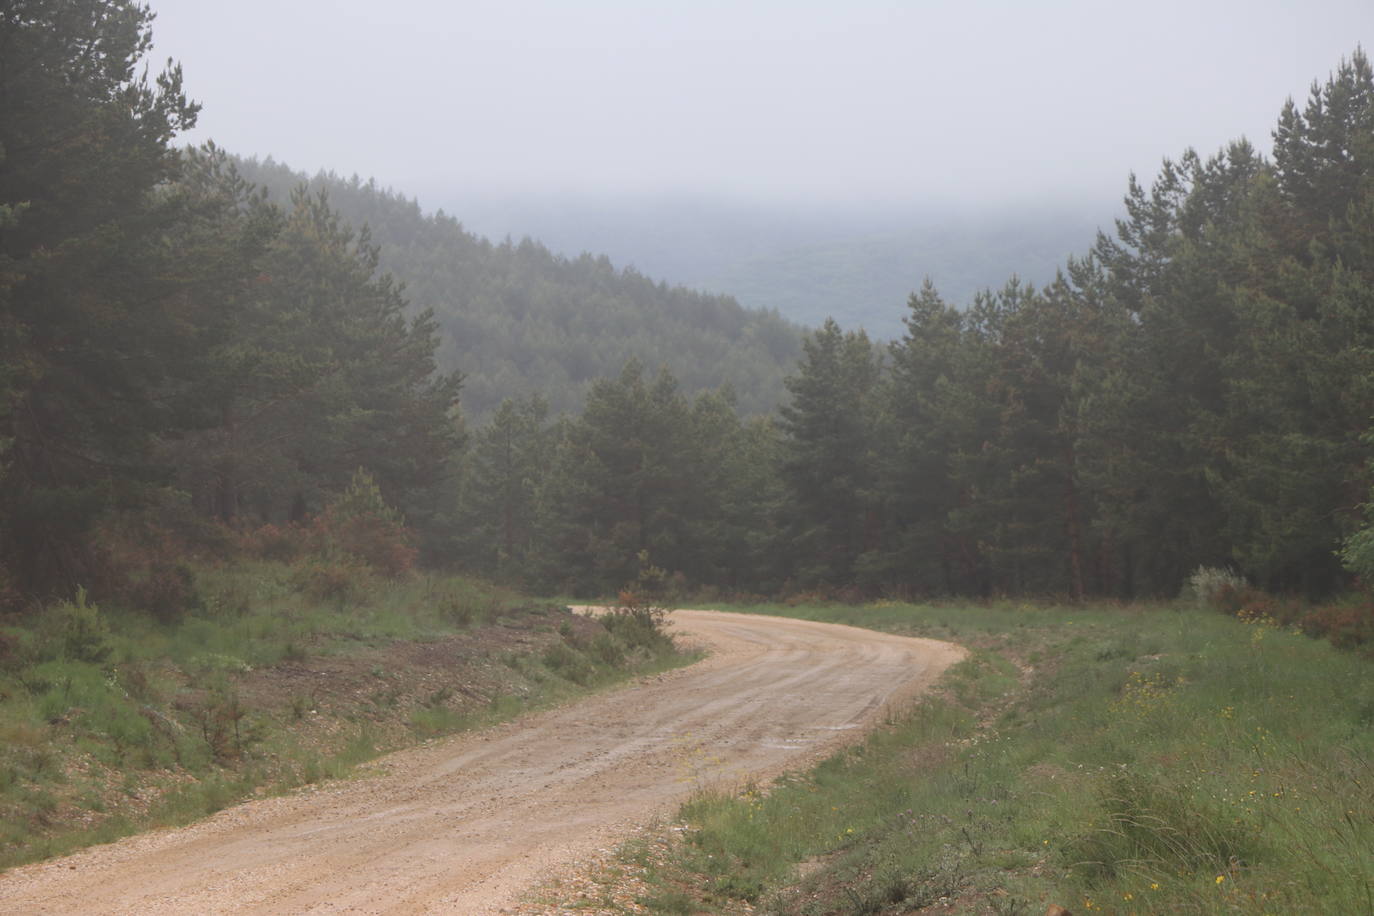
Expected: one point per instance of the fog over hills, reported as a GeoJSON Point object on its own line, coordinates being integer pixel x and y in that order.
{"type": "Point", "coordinates": [518, 319]}
{"type": "Point", "coordinates": [855, 263]}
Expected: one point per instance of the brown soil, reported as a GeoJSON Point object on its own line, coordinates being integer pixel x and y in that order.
{"type": "Point", "coordinates": [464, 825]}
{"type": "Point", "coordinates": [306, 709]}
{"type": "Point", "coordinates": [321, 695]}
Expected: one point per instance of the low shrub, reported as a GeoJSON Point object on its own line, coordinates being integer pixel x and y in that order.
{"type": "Point", "coordinates": [283, 543]}
{"type": "Point", "coordinates": [607, 651]}
{"type": "Point", "coordinates": [359, 523]}
{"type": "Point", "coordinates": [468, 608]}
{"type": "Point", "coordinates": [568, 663]}
{"type": "Point", "coordinates": [385, 545]}
{"type": "Point", "coordinates": [76, 631]}
{"type": "Point", "coordinates": [164, 589]}
{"type": "Point", "coordinates": [337, 581]}
{"type": "Point", "coordinates": [638, 622]}
{"type": "Point", "coordinates": [1346, 626]}
{"type": "Point", "coordinates": [1209, 585]}
{"type": "Point", "coordinates": [220, 717]}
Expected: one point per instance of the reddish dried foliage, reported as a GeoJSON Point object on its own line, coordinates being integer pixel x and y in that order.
{"type": "Point", "coordinates": [1347, 626]}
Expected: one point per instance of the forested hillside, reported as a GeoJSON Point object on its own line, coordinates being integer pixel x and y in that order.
{"type": "Point", "coordinates": [192, 367]}
{"type": "Point", "coordinates": [807, 259]}
{"type": "Point", "coordinates": [1196, 390]}
{"type": "Point", "coordinates": [517, 320]}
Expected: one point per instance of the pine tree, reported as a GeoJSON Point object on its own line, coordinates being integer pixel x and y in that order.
{"type": "Point", "coordinates": [913, 463]}
{"type": "Point", "coordinates": [619, 486]}
{"type": "Point", "coordinates": [1324, 154]}
{"type": "Point", "coordinates": [828, 468]}
{"type": "Point", "coordinates": [507, 460]}
{"type": "Point", "coordinates": [83, 333]}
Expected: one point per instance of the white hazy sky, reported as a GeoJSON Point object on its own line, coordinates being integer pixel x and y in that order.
{"type": "Point", "coordinates": [973, 101]}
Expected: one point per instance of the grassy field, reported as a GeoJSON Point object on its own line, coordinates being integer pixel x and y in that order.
{"type": "Point", "coordinates": [1138, 760]}
{"type": "Point", "coordinates": [113, 722]}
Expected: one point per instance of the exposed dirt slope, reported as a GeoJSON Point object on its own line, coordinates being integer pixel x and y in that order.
{"type": "Point", "coordinates": [462, 826]}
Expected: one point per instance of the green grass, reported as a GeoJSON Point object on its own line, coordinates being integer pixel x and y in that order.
{"type": "Point", "coordinates": [111, 721]}
{"type": "Point", "coordinates": [1150, 760]}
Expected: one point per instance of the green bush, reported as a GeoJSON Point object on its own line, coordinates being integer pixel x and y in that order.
{"type": "Point", "coordinates": [568, 663]}
{"type": "Point", "coordinates": [78, 631]}
{"type": "Point", "coordinates": [640, 615]}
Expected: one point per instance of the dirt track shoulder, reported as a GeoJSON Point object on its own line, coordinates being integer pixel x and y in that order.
{"type": "Point", "coordinates": [463, 825]}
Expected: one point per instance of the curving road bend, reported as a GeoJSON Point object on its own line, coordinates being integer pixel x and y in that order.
{"type": "Point", "coordinates": [463, 826]}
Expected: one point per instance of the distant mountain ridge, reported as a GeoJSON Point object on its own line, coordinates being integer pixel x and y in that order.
{"type": "Point", "coordinates": [518, 319]}
{"type": "Point", "coordinates": [857, 264]}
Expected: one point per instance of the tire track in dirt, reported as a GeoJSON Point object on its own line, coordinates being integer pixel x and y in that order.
{"type": "Point", "coordinates": [463, 825]}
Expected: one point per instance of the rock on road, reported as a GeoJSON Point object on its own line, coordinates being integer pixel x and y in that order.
{"type": "Point", "coordinates": [466, 824]}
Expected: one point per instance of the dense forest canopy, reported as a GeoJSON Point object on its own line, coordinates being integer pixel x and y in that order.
{"type": "Point", "coordinates": [1195, 390]}
{"type": "Point", "coordinates": [519, 320]}
{"type": "Point", "coordinates": [190, 359]}
{"type": "Point", "coordinates": [170, 338]}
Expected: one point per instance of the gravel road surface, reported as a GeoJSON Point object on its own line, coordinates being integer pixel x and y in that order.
{"type": "Point", "coordinates": [463, 826]}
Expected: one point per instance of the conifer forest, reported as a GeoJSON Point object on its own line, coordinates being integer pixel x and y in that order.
{"type": "Point", "coordinates": [196, 348]}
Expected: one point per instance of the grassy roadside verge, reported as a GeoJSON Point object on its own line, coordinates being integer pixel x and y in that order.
{"type": "Point", "coordinates": [1147, 760]}
{"type": "Point", "coordinates": [113, 722]}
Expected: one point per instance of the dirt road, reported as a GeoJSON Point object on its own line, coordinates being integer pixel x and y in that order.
{"type": "Point", "coordinates": [464, 825]}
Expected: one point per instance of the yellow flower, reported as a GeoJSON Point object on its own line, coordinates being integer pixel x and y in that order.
{"type": "Point", "coordinates": [1220, 879]}
{"type": "Point", "coordinates": [1154, 885]}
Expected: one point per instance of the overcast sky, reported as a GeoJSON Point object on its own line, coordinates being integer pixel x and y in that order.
{"type": "Point", "coordinates": [973, 101]}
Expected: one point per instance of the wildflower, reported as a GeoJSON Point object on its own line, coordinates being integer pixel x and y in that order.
{"type": "Point", "coordinates": [1221, 879]}
{"type": "Point", "coordinates": [1154, 885]}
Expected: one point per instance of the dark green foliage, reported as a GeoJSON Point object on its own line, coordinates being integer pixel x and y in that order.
{"type": "Point", "coordinates": [521, 321]}
{"type": "Point", "coordinates": [827, 465]}
{"type": "Point", "coordinates": [317, 371]}
{"type": "Point", "coordinates": [620, 483]}
{"type": "Point", "coordinates": [643, 469]}
{"type": "Point", "coordinates": [83, 141]}
{"type": "Point", "coordinates": [190, 364]}
{"type": "Point", "coordinates": [1194, 391]}
{"type": "Point", "coordinates": [162, 323]}
{"type": "Point", "coordinates": [502, 469]}
{"type": "Point", "coordinates": [78, 631]}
